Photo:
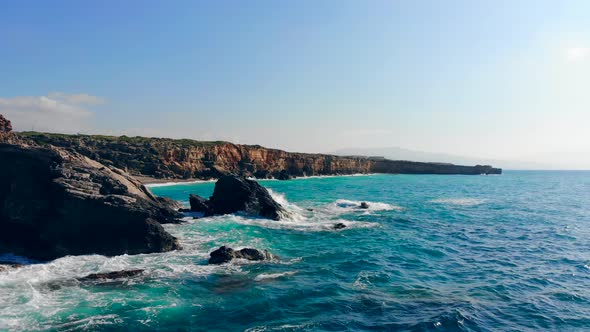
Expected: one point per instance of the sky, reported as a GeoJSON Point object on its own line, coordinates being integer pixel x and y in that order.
{"type": "Point", "coordinates": [492, 79]}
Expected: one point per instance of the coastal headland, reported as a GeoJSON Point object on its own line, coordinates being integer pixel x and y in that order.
{"type": "Point", "coordinates": [163, 159]}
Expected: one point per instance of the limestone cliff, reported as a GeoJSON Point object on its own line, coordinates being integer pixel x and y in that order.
{"type": "Point", "coordinates": [184, 159]}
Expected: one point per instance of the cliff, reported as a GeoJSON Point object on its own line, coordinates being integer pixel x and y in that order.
{"type": "Point", "coordinates": [184, 159]}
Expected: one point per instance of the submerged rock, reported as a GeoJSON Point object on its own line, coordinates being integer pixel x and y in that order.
{"type": "Point", "coordinates": [111, 275]}
{"type": "Point", "coordinates": [55, 202]}
{"type": "Point", "coordinates": [225, 254]}
{"type": "Point", "coordinates": [237, 194]}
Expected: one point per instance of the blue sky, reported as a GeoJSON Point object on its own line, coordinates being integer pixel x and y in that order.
{"type": "Point", "coordinates": [500, 79]}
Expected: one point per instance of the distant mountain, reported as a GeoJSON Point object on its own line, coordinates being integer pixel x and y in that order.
{"type": "Point", "coordinates": [396, 153]}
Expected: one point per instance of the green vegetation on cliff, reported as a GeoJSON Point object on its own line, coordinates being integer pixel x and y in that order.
{"type": "Point", "coordinates": [185, 158]}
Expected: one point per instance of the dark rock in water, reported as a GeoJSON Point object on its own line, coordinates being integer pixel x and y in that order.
{"type": "Point", "coordinates": [225, 254]}
{"type": "Point", "coordinates": [309, 209]}
{"type": "Point", "coordinates": [364, 205]}
{"type": "Point", "coordinates": [55, 202]}
{"type": "Point", "coordinates": [233, 194]}
{"type": "Point", "coordinates": [111, 275]}
{"type": "Point", "coordinates": [199, 204]}
{"type": "Point", "coordinates": [339, 226]}
{"type": "Point", "coordinates": [283, 175]}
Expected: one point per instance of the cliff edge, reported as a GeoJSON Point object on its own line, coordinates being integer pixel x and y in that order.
{"type": "Point", "coordinates": [163, 158]}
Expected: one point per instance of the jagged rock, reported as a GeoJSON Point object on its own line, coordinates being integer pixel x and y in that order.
{"type": "Point", "coordinates": [364, 205]}
{"type": "Point", "coordinates": [339, 226]}
{"type": "Point", "coordinates": [198, 204]}
{"type": "Point", "coordinates": [233, 194]}
{"type": "Point", "coordinates": [55, 202]}
{"type": "Point", "coordinates": [283, 175]}
{"type": "Point", "coordinates": [5, 125]}
{"type": "Point", "coordinates": [225, 254]}
{"type": "Point", "coordinates": [111, 275]}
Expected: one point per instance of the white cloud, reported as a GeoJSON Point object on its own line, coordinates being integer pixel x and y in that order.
{"type": "Point", "coordinates": [577, 53]}
{"type": "Point", "coordinates": [78, 99]}
{"type": "Point", "coordinates": [55, 112]}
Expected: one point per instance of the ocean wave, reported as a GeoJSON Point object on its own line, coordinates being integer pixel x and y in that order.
{"type": "Point", "coordinates": [265, 276]}
{"type": "Point", "coordinates": [459, 201]}
{"type": "Point", "coordinates": [349, 205]}
{"type": "Point", "coordinates": [332, 176]}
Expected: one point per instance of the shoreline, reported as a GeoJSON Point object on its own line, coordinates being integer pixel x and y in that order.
{"type": "Point", "coordinates": [149, 181]}
{"type": "Point", "coordinates": [155, 182]}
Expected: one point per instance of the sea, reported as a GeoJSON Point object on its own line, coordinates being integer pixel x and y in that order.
{"type": "Point", "coordinates": [506, 252]}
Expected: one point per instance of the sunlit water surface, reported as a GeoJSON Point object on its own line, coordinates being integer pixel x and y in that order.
{"type": "Point", "coordinates": [440, 253]}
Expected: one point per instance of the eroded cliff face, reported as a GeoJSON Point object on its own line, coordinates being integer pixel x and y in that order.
{"type": "Point", "coordinates": [167, 158]}
{"type": "Point", "coordinates": [184, 159]}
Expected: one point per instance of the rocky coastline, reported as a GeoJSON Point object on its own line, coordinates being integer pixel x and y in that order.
{"type": "Point", "coordinates": [169, 160]}
{"type": "Point", "coordinates": [75, 194]}
{"type": "Point", "coordinates": [55, 202]}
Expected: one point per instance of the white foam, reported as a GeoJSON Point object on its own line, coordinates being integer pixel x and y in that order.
{"type": "Point", "coordinates": [332, 176]}
{"type": "Point", "coordinates": [172, 183]}
{"type": "Point", "coordinates": [265, 276]}
{"type": "Point", "coordinates": [348, 205]}
{"type": "Point", "coordinates": [459, 201]}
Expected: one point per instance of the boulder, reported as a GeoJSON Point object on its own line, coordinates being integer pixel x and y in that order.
{"type": "Point", "coordinates": [198, 204]}
{"type": "Point", "coordinates": [225, 254]}
{"type": "Point", "coordinates": [233, 194]}
{"type": "Point", "coordinates": [339, 226]}
{"type": "Point", "coordinates": [55, 202]}
{"type": "Point", "coordinates": [111, 275]}
{"type": "Point", "coordinates": [364, 205]}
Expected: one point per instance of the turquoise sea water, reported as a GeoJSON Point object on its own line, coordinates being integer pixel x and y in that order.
{"type": "Point", "coordinates": [434, 253]}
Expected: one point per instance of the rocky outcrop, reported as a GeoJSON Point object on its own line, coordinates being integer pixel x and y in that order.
{"type": "Point", "coordinates": [198, 204]}
{"type": "Point", "coordinates": [237, 194]}
{"type": "Point", "coordinates": [55, 202]}
{"type": "Point", "coordinates": [339, 226]}
{"type": "Point", "coordinates": [413, 167]}
{"type": "Point", "coordinates": [5, 125]}
{"type": "Point", "coordinates": [225, 255]}
{"type": "Point", "coordinates": [111, 275]}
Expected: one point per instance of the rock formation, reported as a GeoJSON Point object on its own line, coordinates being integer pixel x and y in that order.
{"type": "Point", "coordinates": [183, 159]}
{"type": "Point", "coordinates": [237, 194]}
{"type": "Point", "coordinates": [55, 202]}
{"type": "Point", "coordinates": [225, 254]}
{"type": "Point", "coordinates": [5, 125]}
{"type": "Point", "coordinates": [339, 226]}
{"type": "Point", "coordinates": [199, 204]}
{"type": "Point", "coordinates": [111, 275]}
